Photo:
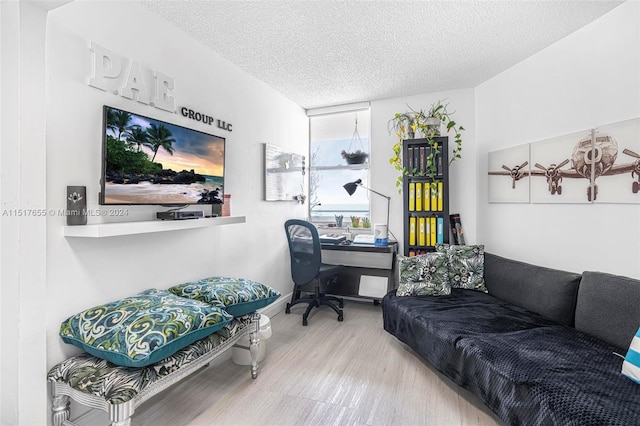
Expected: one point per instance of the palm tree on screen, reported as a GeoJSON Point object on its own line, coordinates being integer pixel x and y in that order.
{"type": "Point", "coordinates": [118, 121]}
{"type": "Point", "coordinates": [160, 137]}
{"type": "Point", "coordinates": [137, 137]}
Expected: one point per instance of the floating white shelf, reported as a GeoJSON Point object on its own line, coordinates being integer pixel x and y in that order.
{"type": "Point", "coordinates": [101, 230]}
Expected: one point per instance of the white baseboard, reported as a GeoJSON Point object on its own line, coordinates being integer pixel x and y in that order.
{"type": "Point", "coordinates": [276, 307]}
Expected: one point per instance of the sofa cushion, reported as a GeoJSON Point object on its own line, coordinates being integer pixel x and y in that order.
{"type": "Point", "coordinates": [424, 275]}
{"type": "Point", "coordinates": [238, 296]}
{"type": "Point", "coordinates": [608, 307]}
{"type": "Point", "coordinates": [549, 292]}
{"type": "Point", "coordinates": [466, 266]}
{"type": "Point", "coordinates": [141, 330]}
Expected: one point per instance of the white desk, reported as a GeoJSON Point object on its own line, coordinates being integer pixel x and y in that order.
{"type": "Point", "coordinates": [370, 271]}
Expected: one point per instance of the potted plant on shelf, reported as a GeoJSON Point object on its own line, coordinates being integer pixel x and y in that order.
{"type": "Point", "coordinates": [403, 124]}
{"type": "Point", "coordinates": [409, 124]}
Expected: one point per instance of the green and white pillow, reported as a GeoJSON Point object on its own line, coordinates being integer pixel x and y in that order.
{"type": "Point", "coordinates": [424, 275]}
{"type": "Point", "coordinates": [141, 330]}
{"type": "Point", "coordinates": [238, 296]}
{"type": "Point", "coordinates": [466, 266]}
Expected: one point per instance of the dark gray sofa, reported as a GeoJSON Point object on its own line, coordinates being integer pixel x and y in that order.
{"type": "Point", "coordinates": [538, 349]}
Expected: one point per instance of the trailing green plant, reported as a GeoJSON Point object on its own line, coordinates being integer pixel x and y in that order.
{"type": "Point", "coordinates": [409, 124]}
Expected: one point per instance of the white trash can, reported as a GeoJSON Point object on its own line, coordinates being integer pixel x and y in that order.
{"type": "Point", "coordinates": [241, 355]}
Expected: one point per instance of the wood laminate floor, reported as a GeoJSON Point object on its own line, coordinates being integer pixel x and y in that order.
{"type": "Point", "coordinates": [328, 373]}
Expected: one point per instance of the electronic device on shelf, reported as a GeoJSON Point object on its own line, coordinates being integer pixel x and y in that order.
{"type": "Point", "coordinates": [146, 161]}
{"type": "Point", "coordinates": [180, 214]}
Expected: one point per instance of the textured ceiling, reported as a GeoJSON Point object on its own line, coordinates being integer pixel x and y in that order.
{"type": "Point", "coordinates": [320, 53]}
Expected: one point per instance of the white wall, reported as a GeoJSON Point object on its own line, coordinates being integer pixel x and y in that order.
{"type": "Point", "coordinates": [22, 189]}
{"type": "Point", "coordinates": [82, 272]}
{"type": "Point", "coordinates": [590, 78]}
{"type": "Point", "coordinates": [462, 191]}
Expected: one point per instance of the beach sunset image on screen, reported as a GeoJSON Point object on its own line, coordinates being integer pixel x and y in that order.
{"type": "Point", "coordinates": [148, 161]}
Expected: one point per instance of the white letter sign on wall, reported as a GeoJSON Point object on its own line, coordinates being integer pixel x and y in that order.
{"type": "Point", "coordinates": [144, 85]}
{"type": "Point", "coordinates": [164, 85]}
{"type": "Point", "coordinates": [134, 87]}
{"type": "Point", "coordinates": [106, 65]}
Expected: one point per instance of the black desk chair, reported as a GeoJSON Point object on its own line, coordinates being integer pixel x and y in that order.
{"type": "Point", "coordinates": [307, 268]}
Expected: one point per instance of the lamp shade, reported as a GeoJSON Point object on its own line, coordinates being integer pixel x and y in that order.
{"type": "Point", "coordinates": [352, 186]}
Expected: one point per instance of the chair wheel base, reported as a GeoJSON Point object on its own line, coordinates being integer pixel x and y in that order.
{"type": "Point", "coordinates": [340, 318]}
{"type": "Point", "coordinates": [288, 309]}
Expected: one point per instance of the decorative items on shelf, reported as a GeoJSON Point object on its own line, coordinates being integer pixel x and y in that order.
{"type": "Point", "coordinates": [410, 124]}
{"type": "Point", "coordinates": [339, 218]}
{"type": "Point", "coordinates": [357, 222]}
{"type": "Point", "coordinates": [76, 205]}
{"type": "Point", "coordinates": [359, 156]}
{"type": "Point", "coordinates": [226, 207]}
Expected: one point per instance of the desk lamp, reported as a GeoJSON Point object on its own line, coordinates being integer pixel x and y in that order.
{"type": "Point", "coordinates": [351, 188]}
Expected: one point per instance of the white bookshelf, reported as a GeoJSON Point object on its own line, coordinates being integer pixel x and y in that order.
{"type": "Point", "coordinates": [114, 229]}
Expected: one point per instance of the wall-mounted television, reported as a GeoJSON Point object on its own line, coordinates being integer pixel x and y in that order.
{"type": "Point", "coordinates": [148, 161]}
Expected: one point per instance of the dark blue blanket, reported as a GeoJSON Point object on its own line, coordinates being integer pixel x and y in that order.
{"type": "Point", "coordinates": [527, 369]}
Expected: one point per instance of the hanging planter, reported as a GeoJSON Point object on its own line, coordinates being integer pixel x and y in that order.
{"type": "Point", "coordinates": [358, 156]}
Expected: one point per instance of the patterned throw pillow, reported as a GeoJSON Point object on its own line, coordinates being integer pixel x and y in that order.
{"type": "Point", "coordinates": [466, 266]}
{"type": "Point", "coordinates": [631, 364]}
{"type": "Point", "coordinates": [238, 296]}
{"type": "Point", "coordinates": [141, 330]}
{"type": "Point", "coordinates": [423, 275]}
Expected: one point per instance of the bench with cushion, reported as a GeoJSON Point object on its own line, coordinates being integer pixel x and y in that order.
{"type": "Point", "coordinates": [139, 346]}
{"type": "Point", "coordinates": [118, 390]}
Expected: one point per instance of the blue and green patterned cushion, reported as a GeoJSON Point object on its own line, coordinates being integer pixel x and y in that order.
{"type": "Point", "coordinates": [466, 266]}
{"type": "Point", "coordinates": [425, 275]}
{"type": "Point", "coordinates": [140, 330]}
{"type": "Point", "coordinates": [238, 296]}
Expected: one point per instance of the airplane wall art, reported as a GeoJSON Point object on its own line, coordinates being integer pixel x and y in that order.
{"type": "Point", "coordinates": [597, 165]}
